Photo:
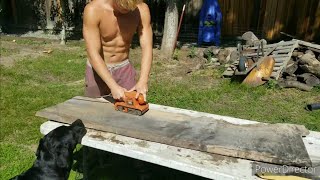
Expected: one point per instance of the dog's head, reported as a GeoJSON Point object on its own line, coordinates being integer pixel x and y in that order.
{"type": "Point", "coordinates": [58, 145]}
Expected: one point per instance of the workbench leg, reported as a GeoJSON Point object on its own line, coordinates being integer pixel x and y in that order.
{"type": "Point", "coordinates": [85, 157]}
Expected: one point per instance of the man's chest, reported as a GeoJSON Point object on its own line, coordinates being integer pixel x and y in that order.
{"type": "Point", "coordinates": [124, 26]}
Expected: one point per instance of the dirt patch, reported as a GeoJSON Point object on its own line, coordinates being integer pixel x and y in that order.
{"type": "Point", "coordinates": [113, 139]}
{"type": "Point", "coordinates": [142, 144]}
{"type": "Point", "coordinates": [16, 53]}
{"type": "Point", "coordinates": [76, 83]}
{"type": "Point", "coordinates": [33, 147]}
{"type": "Point", "coordinates": [181, 69]}
{"type": "Point", "coordinates": [13, 50]}
{"type": "Point", "coordinates": [97, 136]}
{"type": "Point", "coordinates": [219, 159]}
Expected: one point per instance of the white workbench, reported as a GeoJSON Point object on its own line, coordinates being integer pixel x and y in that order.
{"type": "Point", "coordinates": [191, 161]}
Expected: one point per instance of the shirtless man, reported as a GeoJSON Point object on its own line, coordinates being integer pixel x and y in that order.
{"type": "Point", "coordinates": [108, 29]}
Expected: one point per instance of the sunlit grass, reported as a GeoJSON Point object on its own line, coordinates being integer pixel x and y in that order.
{"type": "Point", "coordinates": [33, 84]}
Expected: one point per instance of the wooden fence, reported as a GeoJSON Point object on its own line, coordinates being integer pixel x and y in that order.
{"type": "Point", "coordinates": [266, 18]}
{"type": "Point", "coordinates": [300, 18]}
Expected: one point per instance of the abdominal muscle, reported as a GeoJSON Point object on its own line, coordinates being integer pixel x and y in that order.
{"type": "Point", "coordinates": [115, 51]}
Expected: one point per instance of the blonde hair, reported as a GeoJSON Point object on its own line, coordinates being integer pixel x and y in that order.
{"type": "Point", "coordinates": [128, 4]}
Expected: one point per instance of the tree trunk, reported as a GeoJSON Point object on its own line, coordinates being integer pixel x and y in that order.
{"type": "Point", "coordinates": [14, 11]}
{"type": "Point", "coordinates": [50, 23]}
{"type": "Point", "coordinates": [170, 28]}
{"type": "Point", "coordinates": [62, 16]}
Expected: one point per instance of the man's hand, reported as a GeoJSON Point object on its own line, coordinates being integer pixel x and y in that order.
{"type": "Point", "coordinates": [118, 92]}
{"type": "Point", "coordinates": [141, 88]}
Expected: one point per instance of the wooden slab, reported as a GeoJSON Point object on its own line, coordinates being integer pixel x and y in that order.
{"type": "Point", "coordinates": [311, 141]}
{"type": "Point", "coordinates": [203, 164]}
{"type": "Point", "coordinates": [276, 143]}
{"type": "Point", "coordinates": [308, 44]}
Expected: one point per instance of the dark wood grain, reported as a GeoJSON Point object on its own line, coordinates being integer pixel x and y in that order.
{"type": "Point", "coordinates": [272, 143]}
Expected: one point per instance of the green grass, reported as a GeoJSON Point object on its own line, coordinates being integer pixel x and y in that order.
{"type": "Point", "coordinates": [232, 99]}
{"type": "Point", "coordinates": [33, 84]}
{"type": "Point", "coordinates": [7, 52]}
{"type": "Point", "coordinates": [25, 40]}
{"type": "Point", "coordinates": [14, 157]}
{"type": "Point", "coordinates": [29, 86]}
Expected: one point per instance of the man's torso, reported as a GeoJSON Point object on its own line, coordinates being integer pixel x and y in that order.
{"type": "Point", "coordinates": [116, 33]}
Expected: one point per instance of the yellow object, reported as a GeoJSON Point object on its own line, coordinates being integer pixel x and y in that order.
{"type": "Point", "coordinates": [262, 71]}
{"type": "Point", "coordinates": [278, 177]}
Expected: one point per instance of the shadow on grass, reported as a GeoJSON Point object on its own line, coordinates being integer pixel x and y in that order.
{"type": "Point", "coordinates": [104, 165]}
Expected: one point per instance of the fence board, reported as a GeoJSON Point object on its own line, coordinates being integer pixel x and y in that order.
{"type": "Point", "coordinates": [291, 13]}
{"type": "Point", "coordinates": [266, 18]}
{"type": "Point", "coordinates": [280, 18]}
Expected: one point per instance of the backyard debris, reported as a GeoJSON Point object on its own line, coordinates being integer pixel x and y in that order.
{"type": "Point", "coordinates": [310, 52]}
{"type": "Point", "coordinates": [296, 53]}
{"type": "Point", "coordinates": [218, 56]}
{"type": "Point", "coordinates": [313, 106]}
{"type": "Point", "coordinates": [294, 84]}
{"type": "Point", "coordinates": [281, 52]}
{"type": "Point", "coordinates": [246, 65]}
{"type": "Point", "coordinates": [210, 51]}
{"type": "Point", "coordinates": [48, 51]}
{"type": "Point", "coordinates": [251, 39]}
{"type": "Point", "coordinates": [197, 67]}
{"type": "Point", "coordinates": [297, 63]}
{"type": "Point", "coordinates": [310, 64]}
{"type": "Point", "coordinates": [214, 60]}
{"type": "Point", "coordinates": [259, 74]}
{"type": "Point", "coordinates": [309, 79]}
{"type": "Point", "coordinates": [211, 65]}
{"type": "Point", "coordinates": [224, 56]}
{"type": "Point", "coordinates": [301, 71]}
{"type": "Point", "coordinates": [234, 56]}
{"type": "Point", "coordinates": [292, 67]}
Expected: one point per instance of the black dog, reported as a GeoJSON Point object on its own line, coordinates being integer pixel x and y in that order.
{"type": "Point", "coordinates": [55, 153]}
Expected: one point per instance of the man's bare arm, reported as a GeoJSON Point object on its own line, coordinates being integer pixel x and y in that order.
{"type": "Point", "coordinates": [91, 35]}
{"type": "Point", "coordinates": [145, 34]}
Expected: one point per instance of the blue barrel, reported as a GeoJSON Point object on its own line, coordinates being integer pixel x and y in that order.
{"type": "Point", "coordinates": [210, 23]}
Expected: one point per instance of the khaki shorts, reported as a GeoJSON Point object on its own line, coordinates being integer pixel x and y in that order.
{"type": "Point", "coordinates": [123, 73]}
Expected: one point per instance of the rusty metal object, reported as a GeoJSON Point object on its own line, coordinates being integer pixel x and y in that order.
{"type": "Point", "coordinates": [258, 74]}
{"type": "Point", "coordinates": [181, 17]}
{"type": "Point", "coordinates": [244, 67]}
{"type": "Point", "coordinates": [129, 104]}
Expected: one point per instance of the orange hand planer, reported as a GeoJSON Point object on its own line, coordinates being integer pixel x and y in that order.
{"type": "Point", "coordinates": [131, 105]}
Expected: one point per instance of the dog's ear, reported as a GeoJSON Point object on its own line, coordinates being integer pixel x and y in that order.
{"type": "Point", "coordinates": [44, 152]}
{"type": "Point", "coordinates": [77, 122]}
{"type": "Point", "coordinates": [78, 130]}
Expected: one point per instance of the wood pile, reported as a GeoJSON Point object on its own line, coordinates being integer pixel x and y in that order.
{"type": "Point", "coordinates": [303, 69]}
{"type": "Point", "coordinates": [297, 63]}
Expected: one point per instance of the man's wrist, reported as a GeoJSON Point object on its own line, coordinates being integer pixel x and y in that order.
{"type": "Point", "coordinates": [112, 85]}
{"type": "Point", "coordinates": [143, 81]}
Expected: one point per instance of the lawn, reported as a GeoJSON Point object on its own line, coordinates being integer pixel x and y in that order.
{"type": "Point", "coordinates": [39, 80]}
